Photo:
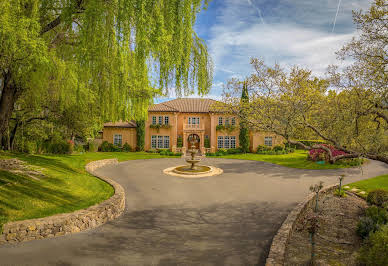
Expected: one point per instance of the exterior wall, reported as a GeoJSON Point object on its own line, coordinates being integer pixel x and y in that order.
{"type": "Point", "coordinates": [208, 125]}
{"type": "Point", "coordinates": [257, 138]}
{"type": "Point", "coordinates": [162, 131]}
{"type": "Point", "coordinates": [128, 135]}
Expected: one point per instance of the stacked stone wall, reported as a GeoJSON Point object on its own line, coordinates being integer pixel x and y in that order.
{"type": "Point", "coordinates": [67, 223]}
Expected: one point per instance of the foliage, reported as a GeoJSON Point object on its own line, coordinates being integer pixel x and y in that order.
{"type": "Point", "coordinates": [109, 147]}
{"type": "Point", "coordinates": [377, 197]}
{"type": "Point", "coordinates": [277, 150]}
{"type": "Point", "coordinates": [374, 218]}
{"type": "Point", "coordinates": [228, 128]}
{"type": "Point", "coordinates": [262, 148]}
{"type": "Point", "coordinates": [58, 147]}
{"type": "Point", "coordinates": [180, 142]}
{"type": "Point", "coordinates": [207, 143]}
{"type": "Point", "coordinates": [375, 250]}
{"type": "Point", "coordinates": [127, 147]}
{"type": "Point", "coordinates": [140, 135]}
{"type": "Point", "coordinates": [378, 182]}
{"type": "Point", "coordinates": [340, 193]}
{"type": "Point", "coordinates": [85, 62]}
{"type": "Point", "coordinates": [244, 131]}
{"type": "Point", "coordinates": [322, 155]}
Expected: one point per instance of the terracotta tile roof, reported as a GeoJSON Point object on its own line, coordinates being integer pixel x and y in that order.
{"type": "Point", "coordinates": [185, 105]}
{"type": "Point", "coordinates": [130, 124]}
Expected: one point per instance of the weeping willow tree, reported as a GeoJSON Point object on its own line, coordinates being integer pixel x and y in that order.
{"type": "Point", "coordinates": [115, 54]}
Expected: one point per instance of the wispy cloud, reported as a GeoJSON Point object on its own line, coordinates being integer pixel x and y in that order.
{"type": "Point", "coordinates": [294, 32]}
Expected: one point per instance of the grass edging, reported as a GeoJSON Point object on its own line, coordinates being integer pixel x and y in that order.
{"type": "Point", "coordinates": [67, 223]}
{"type": "Point", "coordinates": [280, 241]}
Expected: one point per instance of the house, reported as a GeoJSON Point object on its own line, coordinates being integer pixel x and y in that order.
{"type": "Point", "coordinates": [173, 124]}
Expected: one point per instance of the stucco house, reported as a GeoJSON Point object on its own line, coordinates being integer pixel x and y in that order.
{"type": "Point", "coordinates": [171, 124]}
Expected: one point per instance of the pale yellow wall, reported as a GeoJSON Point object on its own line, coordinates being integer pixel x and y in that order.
{"type": "Point", "coordinates": [257, 138]}
{"type": "Point", "coordinates": [128, 135]}
{"type": "Point", "coordinates": [162, 131]}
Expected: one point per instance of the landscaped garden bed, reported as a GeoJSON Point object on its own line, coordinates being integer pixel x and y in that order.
{"type": "Point", "coordinates": [336, 241]}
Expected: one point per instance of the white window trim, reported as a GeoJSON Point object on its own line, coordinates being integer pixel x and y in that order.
{"type": "Point", "coordinates": [119, 138]}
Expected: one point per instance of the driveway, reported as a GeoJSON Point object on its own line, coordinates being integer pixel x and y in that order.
{"type": "Point", "coordinates": [228, 219]}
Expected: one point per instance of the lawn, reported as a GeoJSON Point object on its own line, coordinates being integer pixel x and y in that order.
{"type": "Point", "coordinates": [297, 159]}
{"type": "Point", "coordinates": [371, 183]}
{"type": "Point", "coordinates": [66, 186]}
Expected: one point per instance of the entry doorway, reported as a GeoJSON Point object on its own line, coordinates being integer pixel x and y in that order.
{"type": "Point", "coordinates": [193, 139]}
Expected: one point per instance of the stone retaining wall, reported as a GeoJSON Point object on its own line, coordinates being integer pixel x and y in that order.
{"type": "Point", "coordinates": [280, 241]}
{"type": "Point", "coordinates": [67, 223]}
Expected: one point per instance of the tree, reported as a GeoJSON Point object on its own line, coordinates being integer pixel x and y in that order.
{"type": "Point", "coordinates": [103, 52]}
{"type": "Point", "coordinates": [140, 135]}
{"type": "Point", "coordinates": [244, 132]}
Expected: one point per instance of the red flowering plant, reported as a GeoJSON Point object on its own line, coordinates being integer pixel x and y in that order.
{"type": "Point", "coordinates": [321, 155]}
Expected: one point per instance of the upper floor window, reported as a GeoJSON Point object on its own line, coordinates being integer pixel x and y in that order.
{"type": "Point", "coordinates": [166, 120]}
{"type": "Point", "coordinates": [193, 120]}
{"type": "Point", "coordinates": [233, 121]}
{"type": "Point", "coordinates": [220, 121]}
{"type": "Point", "coordinates": [154, 120]}
{"type": "Point", "coordinates": [118, 140]}
{"type": "Point", "coordinates": [160, 120]}
{"type": "Point", "coordinates": [226, 121]}
{"type": "Point", "coordinates": [268, 141]}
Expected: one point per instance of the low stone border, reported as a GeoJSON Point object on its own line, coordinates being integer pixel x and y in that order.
{"type": "Point", "coordinates": [280, 242]}
{"type": "Point", "coordinates": [67, 223]}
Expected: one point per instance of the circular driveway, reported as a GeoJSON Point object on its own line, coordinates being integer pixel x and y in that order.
{"type": "Point", "coordinates": [228, 219]}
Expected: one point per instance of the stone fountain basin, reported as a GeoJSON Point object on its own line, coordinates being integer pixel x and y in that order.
{"type": "Point", "coordinates": [198, 170]}
{"type": "Point", "coordinates": [193, 160]}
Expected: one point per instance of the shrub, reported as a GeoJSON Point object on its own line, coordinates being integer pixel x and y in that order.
{"type": "Point", "coordinates": [262, 148]}
{"type": "Point", "coordinates": [140, 135]}
{"type": "Point", "coordinates": [375, 250]}
{"type": "Point", "coordinates": [179, 142]}
{"type": "Point", "coordinates": [210, 154]}
{"type": "Point", "coordinates": [377, 197]}
{"type": "Point", "coordinates": [340, 193]}
{"type": "Point", "coordinates": [278, 148]}
{"type": "Point", "coordinates": [127, 147]}
{"type": "Point", "coordinates": [378, 215]}
{"type": "Point", "coordinates": [178, 154]}
{"type": "Point", "coordinates": [152, 151]}
{"type": "Point", "coordinates": [79, 148]}
{"type": "Point", "coordinates": [207, 143]}
{"type": "Point", "coordinates": [104, 146]}
{"type": "Point", "coordinates": [374, 219]}
{"type": "Point", "coordinates": [222, 152]}
{"type": "Point", "coordinates": [365, 226]}
{"type": "Point", "coordinates": [321, 155]}
{"type": "Point", "coordinates": [60, 147]}
{"type": "Point", "coordinates": [234, 151]}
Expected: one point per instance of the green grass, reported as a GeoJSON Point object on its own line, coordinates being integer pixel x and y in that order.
{"type": "Point", "coordinates": [297, 159]}
{"type": "Point", "coordinates": [67, 186]}
{"type": "Point", "coordinates": [370, 184]}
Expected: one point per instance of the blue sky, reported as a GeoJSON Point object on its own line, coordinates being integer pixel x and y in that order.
{"type": "Point", "coordinates": [289, 32]}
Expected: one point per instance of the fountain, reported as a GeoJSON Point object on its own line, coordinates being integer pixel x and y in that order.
{"type": "Point", "coordinates": [193, 170]}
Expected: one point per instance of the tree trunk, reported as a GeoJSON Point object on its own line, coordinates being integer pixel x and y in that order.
{"type": "Point", "coordinates": [8, 98]}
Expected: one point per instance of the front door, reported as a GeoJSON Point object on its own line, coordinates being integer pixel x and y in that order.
{"type": "Point", "coordinates": [193, 139]}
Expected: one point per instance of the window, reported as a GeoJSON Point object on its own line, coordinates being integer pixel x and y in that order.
{"type": "Point", "coordinates": [220, 142]}
{"type": "Point", "coordinates": [233, 121]}
{"type": "Point", "coordinates": [166, 142]}
{"type": "Point", "coordinates": [154, 120]}
{"type": "Point", "coordinates": [160, 142]}
{"type": "Point", "coordinates": [226, 142]}
{"type": "Point", "coordinates": [268, 141]}
{"type": "Point", "coordinates": [226, 121]}
{"type": "Point", "coordinates": [166, 120]}
{"type": "Point", "coordinates": [153, 141]}
{"type": "Point", "coordinates": [193, 120]}
{"type": "Point", "coordinates": [220, 121]}
{"type": "Point", "coordinates": [160, 120]}
{"type": "Point", "coordinates": [233, 142]}
{"type": "Point", "coordinates": [118, 140]}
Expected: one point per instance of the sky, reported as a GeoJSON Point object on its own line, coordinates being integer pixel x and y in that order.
{"type": "Point", "coordinates": [306, 33]}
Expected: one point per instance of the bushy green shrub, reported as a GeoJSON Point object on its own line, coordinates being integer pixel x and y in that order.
{"type": "Point", "coordinates": [104, 146]}
{"type": "Point", "coordinates": [127, 147]}
{"type": "Point", "coordinates": [210, 154]}
{"type": "Point", "coordinates": [365, 226]}
{"type": "Point", "coordinates": [178, 154]}
{"type": "Point", "coordinates": [234, 151]}
{"type": "Point", "coordinates": [152, 151]}
{"type": "Point", "coordinates": [377, 197]}
{"type": "Point", "coordinates": [79, 148]}
{"type": "Point", "coordinates": [378, 215]}
{"type": "Point", "coordinates": [278, 148]}
{"type": "Point", "coordinates": [262, 148]}
{"type": "Point", "coordinates": [179, 142]}
{"type": "Point", "coordinates": [207, 143]}
{"type": "Point", "coordinates": [109, 147]}
{"type": "Point", "coordinates": [59, 147]}
{"type": "Point", "coordinates": [374, 219]}
{"type": "Point", "coordinates": [222, 152]}
{"type": "Point", "coordinates": [375, 250]}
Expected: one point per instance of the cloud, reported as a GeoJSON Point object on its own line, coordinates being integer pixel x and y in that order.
{"type": "Point", "coordinates": [295, 32]}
